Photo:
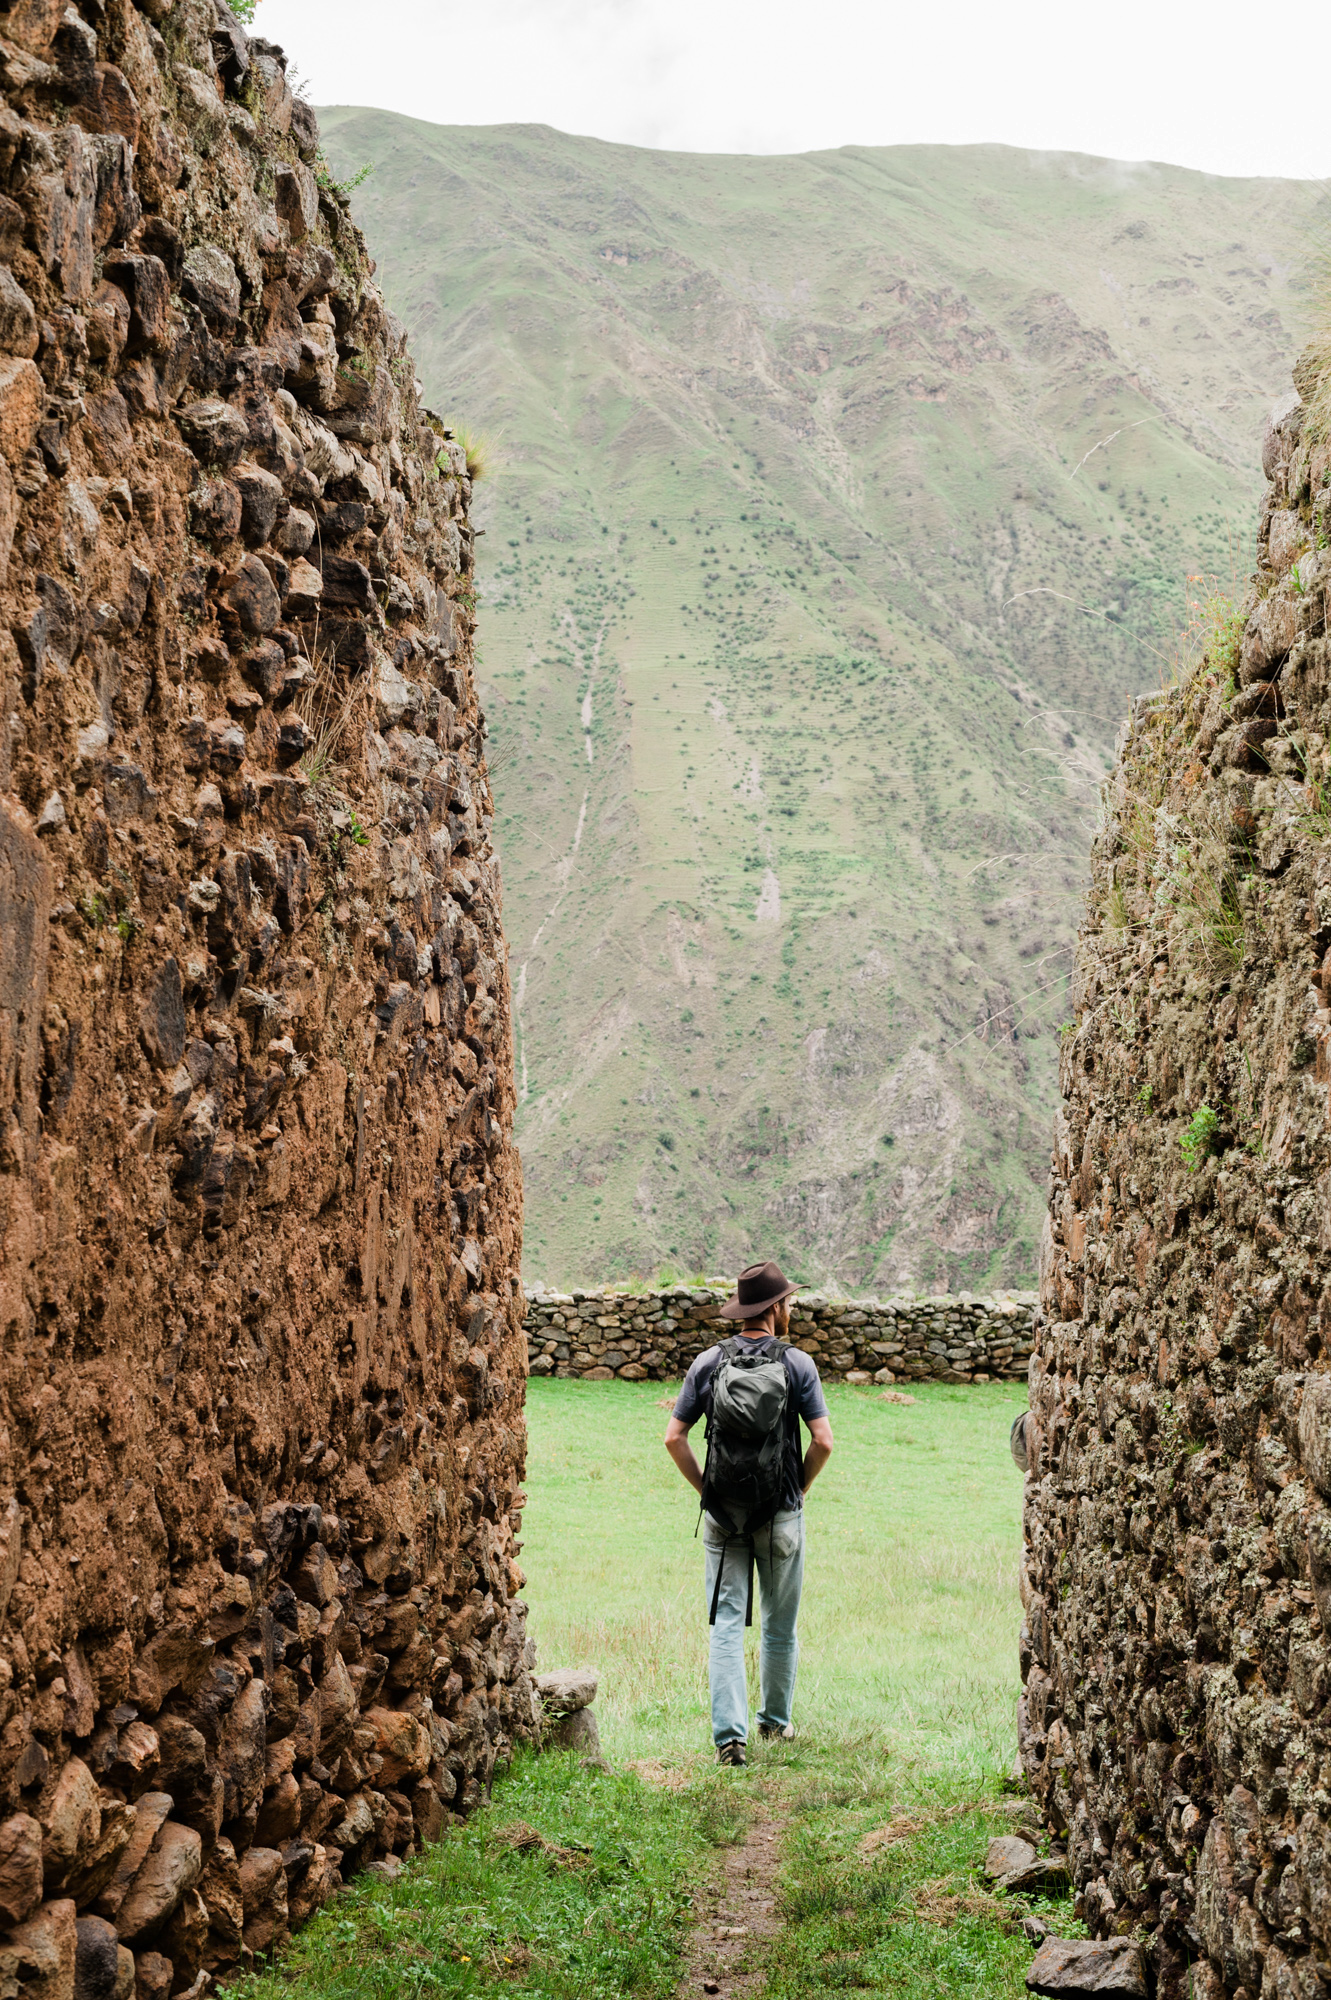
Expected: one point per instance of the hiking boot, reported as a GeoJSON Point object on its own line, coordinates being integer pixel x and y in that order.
{"type": "Point", "coordinates": [771, 1734]}
{"type": "Point", "coordinates": [731, 1753]}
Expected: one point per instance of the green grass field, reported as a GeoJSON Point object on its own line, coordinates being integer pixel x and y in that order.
{"type": "Point", "coordinates": [908, 1628]}
{"type": "Point", "coordinates": [908, 1680]}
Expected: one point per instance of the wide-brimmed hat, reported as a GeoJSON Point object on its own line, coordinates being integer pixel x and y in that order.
{"type": "Point", "coordinates": [762, 1285]}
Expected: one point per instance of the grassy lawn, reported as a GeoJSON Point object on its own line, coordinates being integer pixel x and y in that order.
{"type": "Point", "coordinates": [910, 1614]}
{"type": "Point", "coordinates": [578, 1882]}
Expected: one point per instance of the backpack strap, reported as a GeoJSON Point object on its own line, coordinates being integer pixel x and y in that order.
{"type": "Point", "coordinates": [727, 1351]}
{"type": "Point", "coordinates": [720, 1573]}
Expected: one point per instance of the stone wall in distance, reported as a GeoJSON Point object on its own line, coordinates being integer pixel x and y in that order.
{"type": "Point", "coordinates": [641, 1336]}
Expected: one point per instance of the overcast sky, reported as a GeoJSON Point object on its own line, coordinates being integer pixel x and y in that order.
{"type": "Point", "coordinates": [1215, 87]}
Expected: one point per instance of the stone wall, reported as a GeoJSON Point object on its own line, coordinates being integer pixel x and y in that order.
{"type": "Point", "coordinates": [641, 1336]}
{"type": "Point", "coordinates": [261, 1380]}
{"type": "Point", "coordinates": [1177, 1577]}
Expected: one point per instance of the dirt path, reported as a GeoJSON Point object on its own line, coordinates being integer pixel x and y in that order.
{"type": "Point", "coordinates": [736, 1915]}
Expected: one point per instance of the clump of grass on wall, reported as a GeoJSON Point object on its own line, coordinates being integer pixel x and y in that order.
{"type": "Point", "coordinates": [1201, 1137]}
{"type": "Point", "coordinates": [1213, 629]}
{"type": "Point", "coordinates": [479, 448]}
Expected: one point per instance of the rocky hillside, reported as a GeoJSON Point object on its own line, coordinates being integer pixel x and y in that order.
{"type": "Point", "coordinates": [261, 1390]}
{"type": "Point", "coordinates": [840, 505]}
{"type": "Point", "coordinates": [1178, 1562]}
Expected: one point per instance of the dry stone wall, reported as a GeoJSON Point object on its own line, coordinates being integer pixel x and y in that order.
{"type": "Point", "coordinates": [261, 1379]}
{"type": "Point", "coordinates": [653, 1336]}
{"type": "Point", "coordinates": [1176, 1718]}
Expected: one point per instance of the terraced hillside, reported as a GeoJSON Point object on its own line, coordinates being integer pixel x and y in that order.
{"type": "Point", "coordinates": [839, 504]}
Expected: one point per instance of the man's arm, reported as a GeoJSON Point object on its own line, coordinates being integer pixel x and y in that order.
{"type": "Point", "coordinates": [677, 1444]}
{"type": "Point", "coordinates": [816, 1457]}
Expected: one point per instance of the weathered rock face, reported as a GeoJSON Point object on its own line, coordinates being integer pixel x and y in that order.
{"type": "Point", "coordinates": [262, 1370]}
{"type": "Point", "coordinates": [652, 1336]}
{"type": "Point", "coordinates": [1177, 1574]}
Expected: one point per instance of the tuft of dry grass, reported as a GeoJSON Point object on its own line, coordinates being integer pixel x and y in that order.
{"type": "Point", "coordinates": [1117, 916]}
{"type": "Point", "coordinates": [1316, 819]}
{"type": "Point", "coordinates": [907, 1826]}
{"type": "Point", "coordinates": [331, 711]}
{"type": "Point", "coordinates": [1137, 830]}
{"type": "Point", "coordinates": [1204, 895]}
{"type": "Point", "coordinates": [1212, 630]}
{"type": "Point", "coordinates": [665, 1777]}
{"type": "Point", "coordinates": [524, 1838]}
{"type": "Point", "coordinates": [937, 1903]}
{"type": "Point", "coordinates": [903, 1827]}
{"type": "Point", "coordinates": [479, 448]}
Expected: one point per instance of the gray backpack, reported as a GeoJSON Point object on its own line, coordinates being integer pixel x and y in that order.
{"type": "Point", "coordinates": [745, 1474]}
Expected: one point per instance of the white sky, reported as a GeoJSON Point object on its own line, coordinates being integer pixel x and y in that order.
{"type": "Point", "coordinates": [1213, 86]}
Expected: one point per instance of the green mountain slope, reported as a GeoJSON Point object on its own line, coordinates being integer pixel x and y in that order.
{"type": "Point", "coordinates": [840, 503]}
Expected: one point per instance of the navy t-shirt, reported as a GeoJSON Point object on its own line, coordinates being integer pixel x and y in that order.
{"type": "Point", "coordinates": [806, 1400]}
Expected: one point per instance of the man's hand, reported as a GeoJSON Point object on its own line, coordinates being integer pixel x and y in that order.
{"type": "Point", "coordinates": [820, 1450]}
{"type": "Point", "coordinates": [677, 1444]}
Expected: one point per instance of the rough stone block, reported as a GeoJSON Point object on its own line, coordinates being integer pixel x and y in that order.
{"type": "Point", "coordinates": [43, 1952]}
{"type": "Point", "coordinates": [1006, 1855]}
{"type": "Point", "coordinates": [97, 1967]}
{"type": "Point", "coordinates": [1079, 1969]}
{"type": "Point", "coordinates": [22, 405]}
{"type": "Point", "coordinates": [567, 1689]}
{"type": "Point", "coordinates": [1315, 1431]}
{"type": "Point", "coordinates": [575, 1732]}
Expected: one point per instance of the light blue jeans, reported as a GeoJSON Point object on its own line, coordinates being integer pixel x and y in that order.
{"type": "Point", "coordinates": [779, 1552]}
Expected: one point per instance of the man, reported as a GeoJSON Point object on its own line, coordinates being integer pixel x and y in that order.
{"type": "Point", "coordinates": [761, 1303]}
